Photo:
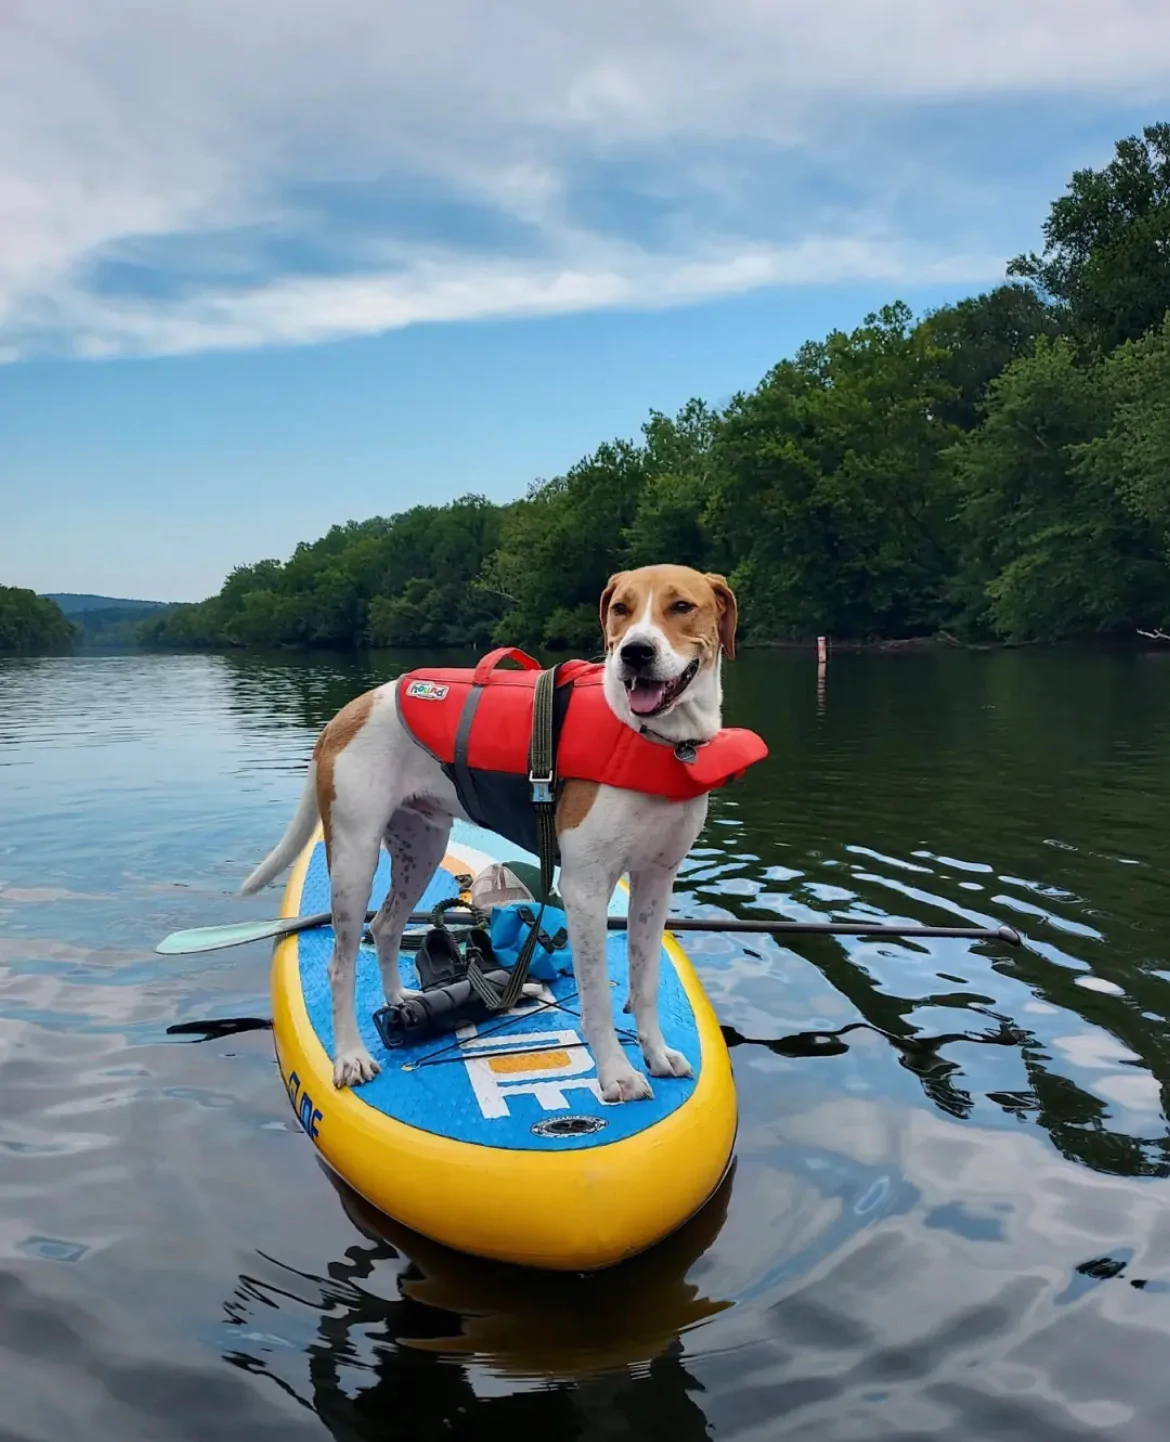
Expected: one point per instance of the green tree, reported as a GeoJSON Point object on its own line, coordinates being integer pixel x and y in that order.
{"type": "Point", "coordinates": [1131, 458]}
{"type": "Point", "coordinates": [831, 487]}
{"type": "Point", "coordinates": [409, 580]}
{"type": "Point", "coordinates": [625, 505]}
{"type": "Point", "coordinates": [1050, 550]}
{"type": "Point", "coordinates": [979, 337]}
{"type": "Point", "coordinates": [29, 622]}
{"type": "Point", "coordinates": [670, 523]}
{"type": "Point", "coordinates": [555, 545]}
{"type": "Point", "coordinates": [428, 589]}
{"type": "Point", "coordinates": [1106, 258]}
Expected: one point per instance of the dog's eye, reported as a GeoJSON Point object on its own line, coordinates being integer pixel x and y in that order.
{"type": "Point", "coordinates": [680, 608]}
{"type": "Point", "coordinates": [619, 608]}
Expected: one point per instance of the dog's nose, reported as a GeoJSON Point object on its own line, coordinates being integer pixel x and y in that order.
{"type": "Point", "coordinates": [637, 654]}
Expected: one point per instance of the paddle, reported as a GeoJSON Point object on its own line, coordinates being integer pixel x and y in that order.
{"type": "Point", "coordinates": [216, 938]}
{"type": "Point", "coordinates": [237, 933]}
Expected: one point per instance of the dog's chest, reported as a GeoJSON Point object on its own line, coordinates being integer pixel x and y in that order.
{"type": "Point", "coordinates": [648, 831]}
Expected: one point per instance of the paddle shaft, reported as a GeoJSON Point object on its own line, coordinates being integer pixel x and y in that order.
{"type": "Point", "coordinates": [735, 924]}
{"type": "Point", "coordinates": [218, 1027]}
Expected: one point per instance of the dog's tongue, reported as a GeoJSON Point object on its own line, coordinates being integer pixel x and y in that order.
{"type": "Point", "coordinates": [645, 696]}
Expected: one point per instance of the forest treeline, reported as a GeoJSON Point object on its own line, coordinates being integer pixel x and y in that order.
{"type": "Point", "coordinates": [997, 469]}
{"type": "Point", "coordinates": [29, 622]}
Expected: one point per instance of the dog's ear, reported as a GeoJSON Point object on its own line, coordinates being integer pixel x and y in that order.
{"type": "Point", "coordinates": [728, 613]}
{"type": "Point", "coordinates": [606, 597]}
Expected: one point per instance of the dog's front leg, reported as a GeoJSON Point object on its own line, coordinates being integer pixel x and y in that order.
{"type": "Point", "coordinates": [650, 892]}
{"type": "Point", "coordinates": [585, 890]}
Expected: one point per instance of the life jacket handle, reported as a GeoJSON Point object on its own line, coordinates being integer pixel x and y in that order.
{"type": "Point", "coordinates": [489, 662]}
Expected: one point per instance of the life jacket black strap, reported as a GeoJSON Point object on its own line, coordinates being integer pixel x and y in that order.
{"type": "Point", "coordinates": [543, 781]}
{"type": "Point", "coordinates": [464, 777]}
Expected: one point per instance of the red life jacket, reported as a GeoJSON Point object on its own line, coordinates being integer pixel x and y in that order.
{"type": "Point", "coordinates": [477, 724]}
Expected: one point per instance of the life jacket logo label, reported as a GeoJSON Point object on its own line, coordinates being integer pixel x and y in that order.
{"type": "Point", "coordinates": [426, 690]}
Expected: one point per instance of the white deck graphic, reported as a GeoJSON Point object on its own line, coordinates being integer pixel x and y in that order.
{"type": "Point", "coordinates": [541, 1064]}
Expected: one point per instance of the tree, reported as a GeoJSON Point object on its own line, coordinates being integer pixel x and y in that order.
{"type": "Point", "coordinates": [1050, 549]}
{"type": "Point", "coordinates": [831, 489]}
{"type": "Point", "coordinates": [558, 546]}
{"type": "Point", "coordinates": [411, 579]}
{"type": "Point", "coordinates": [670, 522]}
{"type": "Point", "coordinates": [980, 337]}
{"type": "Point", "coordinates": [1106, 258]}
{"type": "Point", "coordinates": [1131, 458]}
{"type": "Point", "coordinates": [29, 622]}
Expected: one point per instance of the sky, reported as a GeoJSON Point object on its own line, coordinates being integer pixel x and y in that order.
{"type": "Point", "coordinates": [266, 267]}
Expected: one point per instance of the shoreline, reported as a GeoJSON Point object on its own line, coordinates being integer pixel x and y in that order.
{"type": "Point", "coordinates": [1139, 642]}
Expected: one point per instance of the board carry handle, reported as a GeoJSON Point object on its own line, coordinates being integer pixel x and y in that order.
{"type": "Point", "coordinates": [503, 653]}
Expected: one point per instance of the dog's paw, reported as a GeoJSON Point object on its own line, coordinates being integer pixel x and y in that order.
{"type": "Point", "coordinates": [665, 1061]}
{"type": "Point", "coordinates": [623, 1083]}
{"type": "Point", "coordinates": [354, 1067]}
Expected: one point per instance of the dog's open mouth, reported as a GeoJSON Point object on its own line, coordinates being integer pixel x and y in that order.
{"type": "Point", "coordinates": [651, 698]}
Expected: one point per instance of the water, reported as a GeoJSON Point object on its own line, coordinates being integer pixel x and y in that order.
{"type": "Point", "coordinates": [950, 1209]}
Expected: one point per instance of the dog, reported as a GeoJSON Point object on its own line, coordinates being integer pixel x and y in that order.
{"type": "Point", "coordinates": [666, 630]}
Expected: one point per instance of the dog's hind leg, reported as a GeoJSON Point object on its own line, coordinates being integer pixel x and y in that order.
{"type": "Point", "coordinates": [416, 846]}
{"type": "Point", "coordinates": [650, 892]}
{"type": "Point", "coordinates": [353, 864]}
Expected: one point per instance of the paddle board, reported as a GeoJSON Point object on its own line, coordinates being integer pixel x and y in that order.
{"type": "Point", "coordinates": [494, 1139]}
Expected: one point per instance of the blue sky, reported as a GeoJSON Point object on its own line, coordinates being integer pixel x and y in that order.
{"type": "Point", "coordinates": [267, 266]}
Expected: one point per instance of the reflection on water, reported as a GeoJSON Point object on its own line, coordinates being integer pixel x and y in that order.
{"type": "Point", "coordinates": [401, 1317]}
{"type": "Point", "coordinates": [948, 1213]}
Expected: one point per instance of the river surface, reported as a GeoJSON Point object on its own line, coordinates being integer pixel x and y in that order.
{"type": "Point", "coordinates": [950, 1214]}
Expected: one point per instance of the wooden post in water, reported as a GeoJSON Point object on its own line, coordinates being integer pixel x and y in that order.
{"type": "Point", "coordinates": [822, 663]}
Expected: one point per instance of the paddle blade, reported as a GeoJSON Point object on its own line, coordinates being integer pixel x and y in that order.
{"type": "Point", "coordinates": [215, 938]}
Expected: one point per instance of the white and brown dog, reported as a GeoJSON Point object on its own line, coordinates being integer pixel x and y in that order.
{"type": "Point", "coordinates": [666, 629]}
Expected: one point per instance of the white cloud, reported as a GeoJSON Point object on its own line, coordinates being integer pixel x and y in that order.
{"type": "Point", "coordinates": [301, 310]}
{"type": "Point", "coordinates": [124, 123]}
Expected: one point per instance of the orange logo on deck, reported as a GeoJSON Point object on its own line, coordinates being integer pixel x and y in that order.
{"type": "Point", "coordinates": [541, 1065]}
{"type": "Point", "coordinates": [527, 1061]}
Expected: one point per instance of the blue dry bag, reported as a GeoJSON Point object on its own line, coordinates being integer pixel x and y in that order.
{"type": "Point", "coordinates": [509, 929]}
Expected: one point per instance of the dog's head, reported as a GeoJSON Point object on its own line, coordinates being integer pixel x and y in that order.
{"type": "Point", "coordinates": [665, 628]}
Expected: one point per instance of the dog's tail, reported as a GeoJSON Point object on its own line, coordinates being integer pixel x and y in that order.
{"type": "Point", "coordinates": [292, 843]}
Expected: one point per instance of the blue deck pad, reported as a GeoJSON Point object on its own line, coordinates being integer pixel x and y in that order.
{"type": "Point", "coordinates": [476, 1093]}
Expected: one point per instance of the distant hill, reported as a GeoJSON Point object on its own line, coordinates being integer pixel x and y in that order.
{"type": "Point", "coordinates": [74, 603]}
{"type": "Point", "coordinates": [106, 622]}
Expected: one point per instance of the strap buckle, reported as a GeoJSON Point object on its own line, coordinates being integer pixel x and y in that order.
{"type": "Point", "coordinates": [541, 788]}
